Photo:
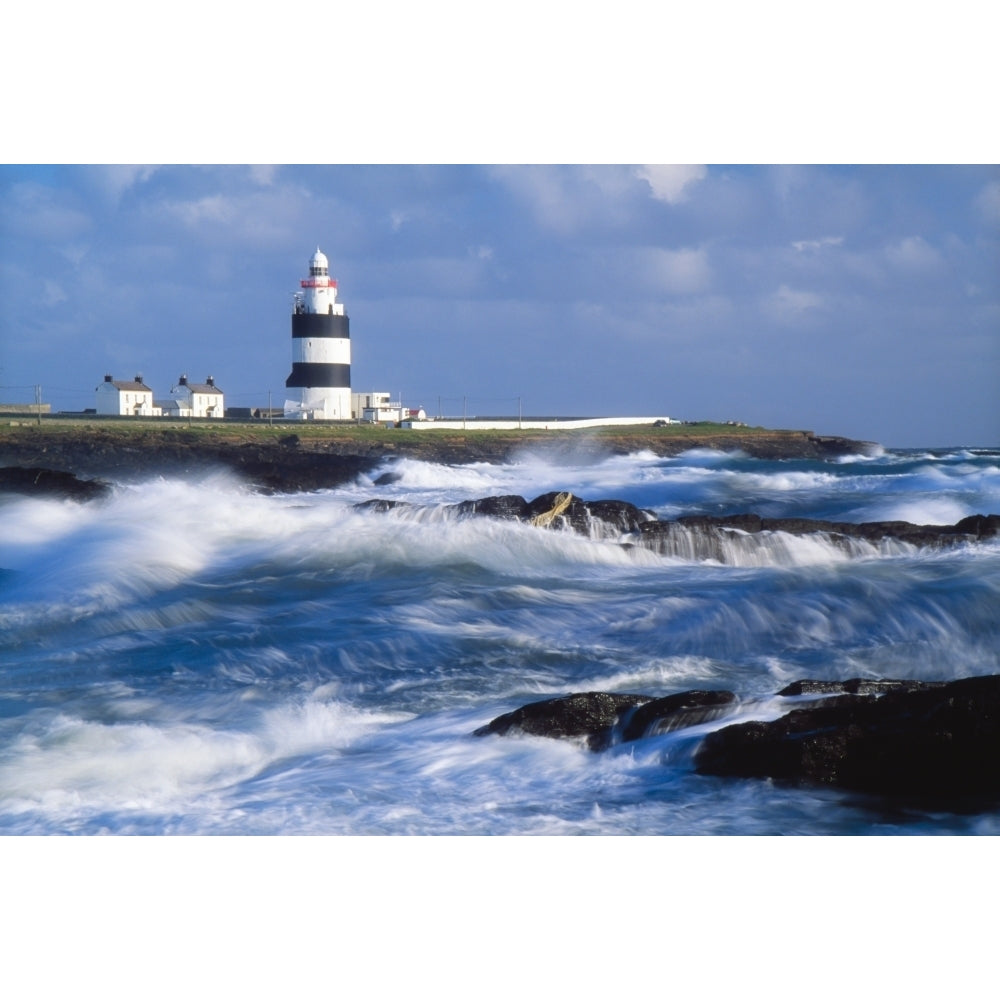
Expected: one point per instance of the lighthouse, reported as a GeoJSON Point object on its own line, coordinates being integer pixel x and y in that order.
{"type": "Point", "coordinates": [321, 348]}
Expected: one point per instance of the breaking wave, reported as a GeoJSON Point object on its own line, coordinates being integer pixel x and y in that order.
{"type": "Point", "coordinates": [188, 656]}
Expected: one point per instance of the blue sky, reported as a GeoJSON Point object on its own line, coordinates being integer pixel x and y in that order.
{"type": "Point", "coordinates": [858, 300]}
{"type": "Point", "coordinates": [862, 301]}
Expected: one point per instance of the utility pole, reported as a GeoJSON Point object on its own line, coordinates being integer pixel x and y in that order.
{"type": "Point", "coordinates": [269, 408]}
{"type": "Point", "coordinates": [463, 412]}
{"type": "Point", "coordinates": [519, 413]}
{"type": "Point", "coordinates": [38, 404]}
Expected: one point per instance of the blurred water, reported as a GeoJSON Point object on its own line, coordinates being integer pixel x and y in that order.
{"type": "Point", "coordinates": [190, 657]}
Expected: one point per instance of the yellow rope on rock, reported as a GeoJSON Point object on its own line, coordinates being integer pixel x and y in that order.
{"type": "Point", "coordinates": [543, 520]}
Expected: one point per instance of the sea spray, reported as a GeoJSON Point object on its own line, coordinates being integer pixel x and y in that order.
{"type": "Point", "coordinates": [191, 656]}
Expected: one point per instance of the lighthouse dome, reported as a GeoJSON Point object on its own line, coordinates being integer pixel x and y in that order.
{"type": "Point", "coordinates": [319, 261]}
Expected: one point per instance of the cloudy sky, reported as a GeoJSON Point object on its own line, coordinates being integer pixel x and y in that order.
{"type": "Point", "coordinates": [862, 301]}
{"type": "Point", "coordinates": [857, 300]}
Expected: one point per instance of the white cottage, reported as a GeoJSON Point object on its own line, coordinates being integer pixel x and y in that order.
{"type": "Point", "coordinates": [126, 399]}
{"type": "Point", "coordinates": [195, 399]}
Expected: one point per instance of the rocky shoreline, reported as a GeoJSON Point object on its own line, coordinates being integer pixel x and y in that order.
{"type": "Point", "coordinates": [694, 536]}
{"type": "Point", "coordinates": [933, 745]}
{"type": "Point", "coordinates": [699, 536]}
{"type": "Point", "coordinates": [289, 462]}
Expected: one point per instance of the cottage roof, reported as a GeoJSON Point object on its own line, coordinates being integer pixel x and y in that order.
{"type": "Point", "coordinates": [130, 386]}
{"type": "Point", "coordinates": [207, 387]}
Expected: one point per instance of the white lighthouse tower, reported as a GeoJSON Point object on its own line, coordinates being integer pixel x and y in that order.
{"type": "Point", "coordinates": [321, 348]}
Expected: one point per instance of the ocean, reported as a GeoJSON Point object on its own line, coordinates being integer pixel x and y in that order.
{"type": "Point", "coordinates": [190, 657]}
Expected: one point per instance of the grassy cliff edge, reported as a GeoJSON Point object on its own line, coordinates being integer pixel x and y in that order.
{"type": "Point", "coordinates": [307, 456]}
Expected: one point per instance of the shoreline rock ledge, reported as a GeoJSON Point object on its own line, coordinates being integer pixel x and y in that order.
{"type": "Point", "coordinates": [295, 462]}
{"type": "Point", "coordinates": [929, 744]}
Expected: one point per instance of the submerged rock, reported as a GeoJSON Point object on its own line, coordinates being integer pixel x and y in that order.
{"type": "Point", "coordinates": [676, 711]}
{"type": "Point", "coordinates": [51, 482]}
{"type": "Point", "coordinates": [703, 536]}
{"type": "Point", "coordinates": [381, 506]}
{"type": "Point", "coordinates": [585, 517]}
{"type": "Point", "coordinates": [507, 507]}
{"type": "Point", "coordinates": [605, 719]}
{"type": "Point", "coordinates": [590, 715]}
{"type": "Point", "coordinates": [664, 535]}
{"type": "Point", "coordinates": [856, 685]}
{"type": "Point", "coordinates": [933, 744]}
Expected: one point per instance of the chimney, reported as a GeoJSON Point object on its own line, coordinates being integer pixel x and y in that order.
{"type": "Point", "coordinates": [138, 379]}
{"type": "Point", "coordinates": [210, 380]}
{"type": "Point", "coordinates": [108, 378]}
{"type": "Point", "coordinates": [183, 380]}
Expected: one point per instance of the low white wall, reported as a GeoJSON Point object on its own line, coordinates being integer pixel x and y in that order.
{"type": "Point", "coordinates": [546, 425]}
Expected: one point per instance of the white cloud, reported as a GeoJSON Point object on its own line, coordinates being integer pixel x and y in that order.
{"type": "Point", "coordinates": [914, 254]}
{"type": "Point", "coordinates": [212, 208]}
{"type": "Point", "coordinates": [74, 253]}
{"type": "Point", "coordinates": [787, 305]}
{"type": "Point", "coordinates": [816, 245]}
{"type": "Point", "coordinates": [52, 294]}
{"type": "Point", "coordinates": [544, 189]}
{"type": "Point", "coordinates": [270, 216]}
{"type": "Point", "coordinates": [615, 183]}
{"type": "Point", "coordinates": [670, 183]}
{"type": "Point", "coordinates": [33, 210]}
{"type": "Point", "coordinates": [988, 202]}
{"type": "Point", "coordinates": [264, 173]}
{"type": "Point", "coordinates": [677, 271]}
{"type": "Point", "coordinates": [115, 179]}
{"type": "Point", "coordinates": [566, 199]}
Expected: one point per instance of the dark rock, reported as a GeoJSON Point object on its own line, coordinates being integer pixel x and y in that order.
{"type": "Point", "coordinates": [574, 514]}
{"type": "Point", "coordinates": [620, 515]}
{"type": "Point", "coordinates": [606, 719]}
{"type": "Point", "coordinates": [381, 506]}
{"type": "Point", "coordinates": [584, 516]}
{"type": "Point", "coordinates": [509, 507]}
{"type": "Point", "coordinates": [676, 711]}
{"type": "Point", "coordinates": [269, 465]}
{"type": "Point", "coordinates": [979, 525]}
{"type": "Point", "coordinates": [388, 478]}
{"type": "Point", "coordinates": [51, 482]}
{"type": "Point", "coordinates": [856, 685]}
{"type": "Point", "coordinates": [830, 446]}
{"type": "Point", "coordinates": [935, 745]}
{"type": "Point", "coordinates": [590, 714]}
{"type": "Point", "coordinates": [598, 517]}
{"type": "Point", "coordinates": [705, 536]}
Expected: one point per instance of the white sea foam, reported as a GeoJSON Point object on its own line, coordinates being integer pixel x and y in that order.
{"type": "Point", "coordinates": [66, 765]}
{"type": "Point", "coordinates": [707, 457]}
{"type": "Point", "coordinates": [187, 656]}
{"type": "Point", "coordinates": [923, 510]}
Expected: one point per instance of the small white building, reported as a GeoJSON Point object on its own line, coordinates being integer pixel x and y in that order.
{"type": "Point", "coordinates": [376, 408]}
{"type": "Point", "coordinates": [195, 399]}
{"type": "Point", "coordinates": [126, 399]}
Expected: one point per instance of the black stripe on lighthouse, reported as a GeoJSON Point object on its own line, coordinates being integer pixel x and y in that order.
{"type": "Point", "coordinates": [311, 375]}
{"type": "Point", "coordinates": [317, 325]}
